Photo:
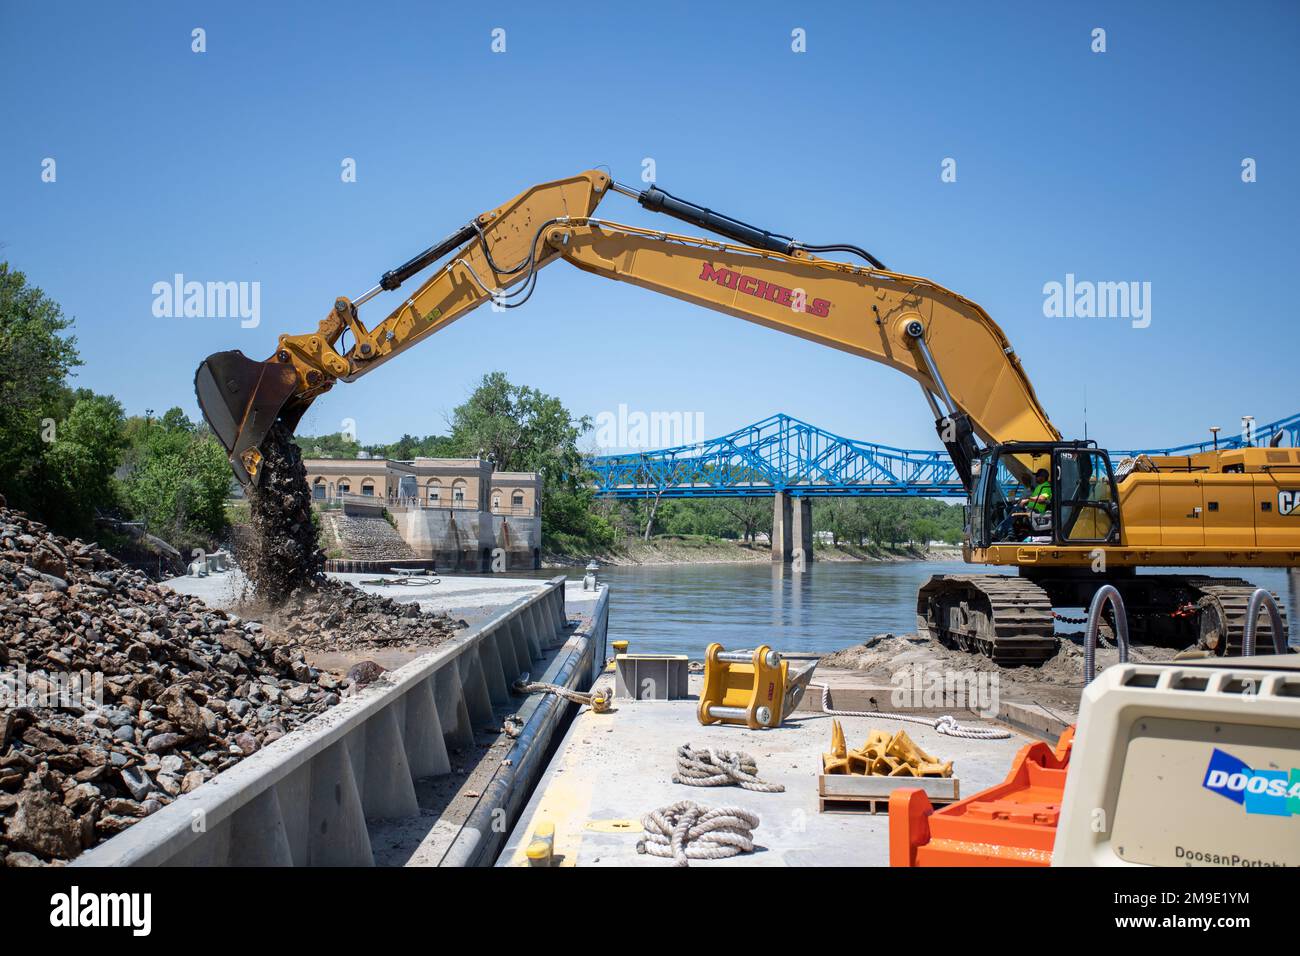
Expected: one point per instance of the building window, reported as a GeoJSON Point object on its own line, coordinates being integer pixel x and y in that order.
{"type": "Point", "coordinates": [433, 490]}
{"type": "Point", "coordinates": [344, 487]}
{"type": "Point", "coordinates": [458, 494]}
{"type": "Point", "coordinates": [517, 500]}
{"type": "Point", "coordinates": [368, 487]}
{"type": "Point", "coordinates": [318, 489]}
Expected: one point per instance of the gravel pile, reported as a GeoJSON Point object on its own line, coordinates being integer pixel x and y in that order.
{"type": "Point", "coordinates": [331, 615]}
{"type": "Point", "coordinates": [287, 570]}
{"type": "Point", "coordinates": [281, 556]}
{"type": "Point", "coordinates": [117, 696]}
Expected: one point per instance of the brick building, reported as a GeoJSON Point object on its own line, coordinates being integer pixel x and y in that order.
{"type": "Point", "coordinates": [459, 483]}
{"type": "Point", "coordinates": [456, 511]}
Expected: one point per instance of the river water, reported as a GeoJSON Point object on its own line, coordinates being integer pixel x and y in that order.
{"type": "Point", "coordinates": [681, 609]}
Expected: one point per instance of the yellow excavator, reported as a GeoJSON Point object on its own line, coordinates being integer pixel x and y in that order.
{"type": "Point", "coordinates": [1094, 524]}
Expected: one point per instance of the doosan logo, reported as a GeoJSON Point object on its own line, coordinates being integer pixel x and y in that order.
{"type": "Point", "coordinates": [1268, 792]}
{"type": "Point", "coordinates": [791, 298]}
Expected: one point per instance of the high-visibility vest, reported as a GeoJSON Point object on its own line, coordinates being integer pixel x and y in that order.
{"type": "Point", "coordinates": [1044, 489]}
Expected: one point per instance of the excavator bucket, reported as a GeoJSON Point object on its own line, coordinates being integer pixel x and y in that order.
{"type": "Point", "coordinates": [241, 399]}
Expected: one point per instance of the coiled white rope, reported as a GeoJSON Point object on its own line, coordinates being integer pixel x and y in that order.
{"type": "Point", "coordinates": [720, 768]}
{"type": "Point", "coordinates": [947, 724]}
{"type": "Point", "coordinates": [688, 831]}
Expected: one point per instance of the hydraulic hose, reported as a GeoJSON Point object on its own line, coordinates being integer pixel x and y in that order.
{"type": "Point", "coordinates": [662, 201]}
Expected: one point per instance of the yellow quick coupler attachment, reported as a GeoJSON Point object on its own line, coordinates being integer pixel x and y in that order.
{"type": "Point", "coordinates": [743, 687]}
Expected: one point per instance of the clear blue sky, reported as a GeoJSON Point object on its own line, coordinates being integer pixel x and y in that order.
{"type": "Point", "coordinates": [1122, 166]}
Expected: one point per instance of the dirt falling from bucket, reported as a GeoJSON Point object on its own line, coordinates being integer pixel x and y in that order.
{"type": "Point", "coordinates": [281, 555]}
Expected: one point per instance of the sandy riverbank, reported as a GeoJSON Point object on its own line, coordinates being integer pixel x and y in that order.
{"type": "Point", "coordinates": [668, 550]}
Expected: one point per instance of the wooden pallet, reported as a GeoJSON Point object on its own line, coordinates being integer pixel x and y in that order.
{"type": "Point", "coordinates": [871, 805]}
{"type": "Point", "coordinates": [844, 793]}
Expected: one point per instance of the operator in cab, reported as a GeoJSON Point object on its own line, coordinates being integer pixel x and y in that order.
{"type": "Point", "coordinates": [1040, 496]}
{"type": "Point", "coordinates": [1015, 526]}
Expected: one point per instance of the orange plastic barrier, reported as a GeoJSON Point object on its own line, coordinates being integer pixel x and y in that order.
{"type": "Point", "coordinates": [1011, 824]}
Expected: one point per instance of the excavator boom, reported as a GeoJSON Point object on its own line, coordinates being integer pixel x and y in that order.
{"type": "Point", "coordinates": [946, 342]}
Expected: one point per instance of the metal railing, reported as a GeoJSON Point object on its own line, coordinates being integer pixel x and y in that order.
{"type": "Point", "coordinates": [406, 503]}
{"type": "Point", "coordinates": [516, 511]}
{"type": "Point", "coordinates": [433, 504]}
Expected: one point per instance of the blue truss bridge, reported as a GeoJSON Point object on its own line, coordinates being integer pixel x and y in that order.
{"type": "Point", "coordinates": [784, 454]}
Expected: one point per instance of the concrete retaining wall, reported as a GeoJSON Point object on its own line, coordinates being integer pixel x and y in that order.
{"type": "Point", "coordinates": [520, 537]}
{"type": "Point", "coordinates": [305, 799]}
{"type": "Point", "coordinates": [460, 539]}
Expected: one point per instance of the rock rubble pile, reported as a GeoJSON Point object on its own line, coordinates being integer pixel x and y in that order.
{"type": "Point", "coordinates": [118, 695]}
{"type": "Point", "coordinates": [334, 616]}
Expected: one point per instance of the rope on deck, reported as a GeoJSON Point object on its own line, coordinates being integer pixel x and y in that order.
{"type": "Point", "coordinates": [720, 768]}
{"type": "Point", "coordinates": [596, 700]}
{"type": "Point", "coordinates": [947, 724]}
{"type": "Point", "coordinates": [688, 831]}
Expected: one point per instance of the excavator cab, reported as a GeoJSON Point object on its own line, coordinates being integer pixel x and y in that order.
{"type": "Point", "coordinates": [1082, 507]}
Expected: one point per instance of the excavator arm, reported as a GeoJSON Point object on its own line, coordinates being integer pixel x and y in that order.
{"type": "Point", "coordinates": [968, 372]}
{"type": "Point", "coordinates": [497, 250]}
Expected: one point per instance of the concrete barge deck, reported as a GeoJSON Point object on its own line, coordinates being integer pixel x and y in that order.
{"type": "Point", "coordinates": [472, 598]}
{"type": "Point", "coordinates": [611, 769]}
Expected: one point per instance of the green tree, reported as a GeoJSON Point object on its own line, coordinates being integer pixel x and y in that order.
{"type": "Point", "coordinates": [336, 445]}
{"type": "Point", "coordinates": [35, 359]}
{"type": "Point", "coordinates": [842, 517]}
{"type": "Point", "coordinates": [923, 530]}
{"type": "Point", "coordinates": [522, 429]}
{"type": "Point", "coordinates": [518, 428]}
{"type": "Point", "coordinates": [178, 480]}
{"type": "Point", "coordinates": [409, 446]}
{"type": "Point", "coordinates": [749, 516]}
{"type": "Point", "coordinates": [80, 462]}
{"type": "Point", "coordinates": [405, 448]}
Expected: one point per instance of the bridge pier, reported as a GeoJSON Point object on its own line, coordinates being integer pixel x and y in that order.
{"type": "Point", "coordinates": [791, 528]}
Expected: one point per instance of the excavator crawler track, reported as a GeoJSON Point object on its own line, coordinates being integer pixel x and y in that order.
{"type": "Point", "coordinates": [1222, 605]}
{"type": "Point", "coordinates": [1010, 620]}
{"type": "Point", "coordinates": [1006, 618]}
